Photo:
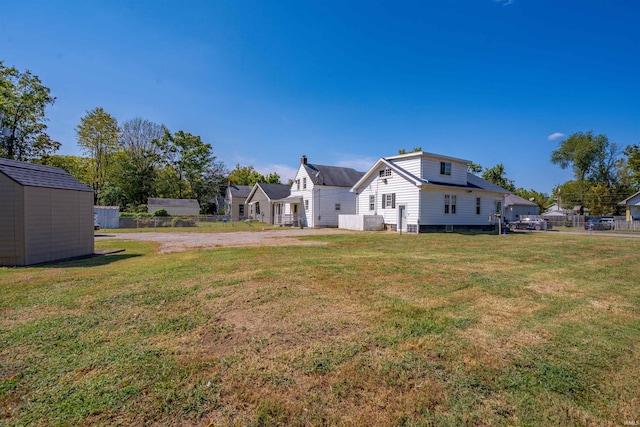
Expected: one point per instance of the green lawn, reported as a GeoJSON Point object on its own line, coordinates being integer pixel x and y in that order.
{"type": "Point", "coordinates": [372, 329]}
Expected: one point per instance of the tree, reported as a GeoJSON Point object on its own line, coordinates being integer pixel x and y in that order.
{"type": "Point", "coordinates": [246, 175]}
{"type": "Point", "coordinates": [22, 105]}
{"type": "Point", "coordinates": [98, 135]}
{"type": "Point", "coordinates": [136, 164]}
{"type": "Point", "coordinates": [189, 157]}
{"type": "Point", "coordinates": [632, 164]}
{"type": "Point", "coordinates": [497, 176]}
{"type": "Point", "coordinates": [540, 199]}
{"type": "Point", "coordinates": [78, 167]}
{"type": "Point", "coordinates": [592, 157]}
{"type": "Point", "coordinates": [414, 150]}
{"type": "Point", "coordinates": [273, 178]}
{"type": "Point", "coordinates": [474, 168]}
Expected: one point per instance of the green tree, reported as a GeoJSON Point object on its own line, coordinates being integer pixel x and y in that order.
{"type": "Point", "coordinates": [246, 175]}
{"type": "Point", "coordinates": [136, 165]}
{"type": "Point", "coordinates": [189, 157]}
{"type": "Point", "coordinates": [497, 176]}
{"type": "Point", "coordinates": [414, 150]}
{"type": "Point", "coordinates": [22, 109]}
{"type": "Point", "coordinates": [540, 199]}
{"type": "Point", "coordinates": [474, 168]}
{"type": "Point", "coordinates": [79, 167]}
{"type": "Point", "coordinates": [273, 178]}
{"type": "Point", "coordinates": [631, 164]}
{"type": "Point", "coordinates": [98, 135]}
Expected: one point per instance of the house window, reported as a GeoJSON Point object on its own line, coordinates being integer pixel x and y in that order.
{"type": "Point", "coordinates": [372, 203]}
{"type": "Point", "coordinates": [385, 172]}
{"type": "Point", "coordinates": [337, 206]}
{"type": "Point", "coordinates": [477, 205]}
{"type": "Point", "coordinates": [304, 183]}
{"type": "Point", "coordinates": [445, 168]}
{"type": "Point", "coordinates": [449, 204]}
{"type": "Point", "coordinates": [297, 184]}
{"type": "Point", "coordinates": [306, 205]}
{"type": "Point", "coordinates": [257, 208]}
{"type": "Point", "coordinates": [241, 210]}
{"type": "Point", "coordinates": [389, 200]}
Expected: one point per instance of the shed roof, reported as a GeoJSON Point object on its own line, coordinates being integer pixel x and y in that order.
{"type": "Point", "coordinates": [192, 203]}
{"type": "Point", "coordinates": [32, 175]}
{"type": "Point", "coordinates": [334, 176]}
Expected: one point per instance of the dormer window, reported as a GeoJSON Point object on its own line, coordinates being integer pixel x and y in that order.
{"type": "Point", "coordinates": [385, 173]}
{"type": "Point", "coordinates": [445, 168]}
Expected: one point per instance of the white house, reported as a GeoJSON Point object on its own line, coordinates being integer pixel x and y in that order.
{"type": "Point", "coordinates": [319, 194]}
{"type": "Point", "coordinates": [632, 205]}
{"type": "Point", "coordinates": [424, 192]}
{"type": "Point", "coordinates": [261, 201]}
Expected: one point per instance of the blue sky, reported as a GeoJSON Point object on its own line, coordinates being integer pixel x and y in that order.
{"type": "Point", "coordinates": [343, 82]}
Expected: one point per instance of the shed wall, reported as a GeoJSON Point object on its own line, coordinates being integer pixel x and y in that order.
{"type": "Point", "coordinates": [11, 222]}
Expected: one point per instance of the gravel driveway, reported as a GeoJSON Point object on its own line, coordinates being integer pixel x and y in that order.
{"type": "Point", "coordinates": [176, 241]}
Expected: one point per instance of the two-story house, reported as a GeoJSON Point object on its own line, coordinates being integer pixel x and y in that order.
{"type": "Point", "coordinates": [423, 192]}
{"type": "Point", "coordinates": [319, 194]}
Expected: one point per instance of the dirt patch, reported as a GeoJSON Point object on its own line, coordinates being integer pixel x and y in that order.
{"type": "Point", "coordinates": [177, 242]}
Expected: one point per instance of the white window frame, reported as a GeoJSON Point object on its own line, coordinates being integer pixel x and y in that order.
{"type": "Point", "coordinates": [445, 168]}
{"type": "Point", "coordinates": [372, 202]}
{"type": "Point", "coordinates": [304, 183]}
{"type": "Point", "coordinates": [385, 173]}
{"type": "Point", "coordinates": [450, 204]}
{"type": "Point", "coordinates": [478, 205]}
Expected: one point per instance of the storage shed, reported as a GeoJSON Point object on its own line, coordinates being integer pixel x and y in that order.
{"type": "Point", "coordinates": [45, 215]}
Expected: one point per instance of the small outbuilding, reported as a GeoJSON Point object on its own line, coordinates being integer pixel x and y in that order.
{"type": "Point", "coordinates": [516, 207]}
{"type": "Point", "coordinates": [174, 206]}
{"type": "Point", "coordinates": [45, 215]}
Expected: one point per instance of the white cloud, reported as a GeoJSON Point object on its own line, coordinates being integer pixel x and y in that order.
{"type": "Point", "coordinates": [285, 172]}
{"type": "Point", "coordinates": [555, 136]}
{"type": "Point", "coordinates": [504, 2]}
{"type": "Point", "coordinates": [361, 164]}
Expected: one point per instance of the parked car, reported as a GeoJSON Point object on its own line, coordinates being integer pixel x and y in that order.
{"type": "Point", "coordinates": [530, 224]}
{"type": "Point", "coordinates": [599, 224]}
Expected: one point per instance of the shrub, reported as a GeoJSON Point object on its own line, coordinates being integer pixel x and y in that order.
{"type": "Point", "coordinates": [161, 212]}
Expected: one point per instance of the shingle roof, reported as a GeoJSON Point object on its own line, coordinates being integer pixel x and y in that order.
{"type": "Point", "coordinates": [192, 203]}
{"type": "Point", "coordinates": [513, 200]}
{"type": "Point", "coordinates": [334, 176]}
{"type": "Point", "coordinates": [32, 175]}
{"type": "Point", "coordinates": [241, 191]}
{"type": "Point", "coordinates": [275, 191]}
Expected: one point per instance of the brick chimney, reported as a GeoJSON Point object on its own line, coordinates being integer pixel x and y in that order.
{"type": "Point", "coordinates": [303, 160]}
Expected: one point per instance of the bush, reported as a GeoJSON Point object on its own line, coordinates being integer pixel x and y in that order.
{"type": "Point", "coordinates": [568, 223]}
{"type": "Point", "coordinates": [161, 212]}
{"type": "Point", "coordinates": [183, 222]}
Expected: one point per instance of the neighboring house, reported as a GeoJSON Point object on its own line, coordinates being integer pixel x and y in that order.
{"type": "Point", "coordinates": [261, 201]}
{"type": "Point", "coordinates": [554, 210]}
{"type": "Point", "coordinates": [424, 192]}
{"type": "Point", "coordinates": [45, 215]}
{"type": "Point", "coordinates": [319, 194]}
{"type": "Point", "coordinates": [516, 207]}
{"type": "Point", "coordinates": [174, 206]}
{"type": "Point", "coordinates": [235, 200]}
{"type": "Point", "coordinates": [632, 205]}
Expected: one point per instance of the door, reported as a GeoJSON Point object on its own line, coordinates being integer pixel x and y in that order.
{"type": "Point", "coordinates": [402, 218]}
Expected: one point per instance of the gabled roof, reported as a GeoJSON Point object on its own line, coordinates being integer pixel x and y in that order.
{"type": "Point", "coordinates": [628, 199]}
{"type": "Point", "coordinates": [173, 203]}
{"type": "Point", "coordinates": [240, 191]}
{"type": "Point", "coordinates": [334, 176]}
{"type": "Point", "coordinates": [513, 200]}
{"type": "Point", "coordinates": [32, 175]}
{"type": "Point", "coordinates": [473, 182]}
{"type": "Point", "coordinates": [272, 191]}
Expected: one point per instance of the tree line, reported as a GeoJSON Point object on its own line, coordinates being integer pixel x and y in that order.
{"type": "Point", "coordinates": [127, 163]}
{"type": "Point", "coordinates": [124, 164]}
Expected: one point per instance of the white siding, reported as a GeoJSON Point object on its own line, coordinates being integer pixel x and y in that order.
{"type": "Point", "coordinates": [433, 201]}
{"type": "Point", "coordinates": [431, 171]}
{"type": "Point", "coordinates": [413, 165]}
{"type": "Point", "coordinates": [406, 193]}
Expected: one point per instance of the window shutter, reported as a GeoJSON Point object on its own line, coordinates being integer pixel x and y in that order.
{"type": "Point", "coordinates": [393, 200]}
{"type": "Point", "coordinates": [384, 199]}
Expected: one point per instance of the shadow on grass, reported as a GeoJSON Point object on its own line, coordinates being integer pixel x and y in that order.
{"type": "Point", "coordinates": [92, 261]}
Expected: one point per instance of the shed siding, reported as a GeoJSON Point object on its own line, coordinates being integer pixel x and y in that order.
{"type": "Point", "coordinates": [11, 223]}
{"type": "Point", "coordinates": [58, 224]}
